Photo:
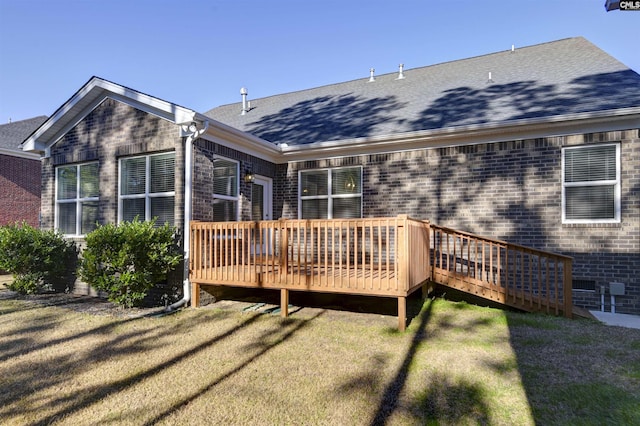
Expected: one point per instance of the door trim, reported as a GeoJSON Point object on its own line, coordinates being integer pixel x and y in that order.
{"type": "Point", "coordinates": [267, 184]}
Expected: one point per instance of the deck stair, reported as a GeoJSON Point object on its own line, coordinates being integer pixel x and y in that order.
{"type": "Point", "coordinates": [509, 274]}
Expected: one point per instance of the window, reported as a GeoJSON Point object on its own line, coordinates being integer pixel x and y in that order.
{"type": "Point", "coordinates": [331, 193]}
{"type": "Point", "coordinates": [591, 184]}
{"type": "Point", "coordinates": [147, 188]}
{"type": "Point", "coordinates": [225, 190]}
{"type": "Point", "coordinates": [77, 190]}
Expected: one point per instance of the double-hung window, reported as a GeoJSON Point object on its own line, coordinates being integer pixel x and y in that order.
{"type": "Point", "coordinates": [330, 193]}
{"type": "Point", "coordinates": [591, 184]}
{"type": "Point", "coordinates": [225, 190]}
{"type": "Point", "coordinates": [77, 192]}
{"type": "Point", "coordinates": [147, 188]}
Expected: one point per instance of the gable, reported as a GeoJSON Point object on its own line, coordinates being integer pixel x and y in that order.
{"type": "Point", "coordinates": [92, 94]}
{"type": "Point", "coordinates": [126, 129]}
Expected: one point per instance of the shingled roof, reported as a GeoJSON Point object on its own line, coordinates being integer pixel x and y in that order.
{"type": "Point", "coordinates": [564, 77]}
{"type": "Point", "coordinates": [13, 134]}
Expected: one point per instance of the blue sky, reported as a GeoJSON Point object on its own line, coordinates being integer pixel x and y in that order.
{"type": "Point", "coordinates": [199, 54]}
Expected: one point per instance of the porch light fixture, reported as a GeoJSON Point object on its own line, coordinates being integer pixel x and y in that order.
{"type": "Point", "coordinates": [249, 177]}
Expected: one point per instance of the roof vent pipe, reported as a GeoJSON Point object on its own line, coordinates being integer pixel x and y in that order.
{"type": "Point", "coordinates": [513, 48]}
{"type": "Point", "coordinates": [400, 72]}
{"type": "Point", "coordinates": [244, 93]}
{"type": "Point", "coordinates": [371, 77]}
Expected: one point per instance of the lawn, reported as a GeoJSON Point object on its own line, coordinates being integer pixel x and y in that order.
{"type": "Point", "coordinates": [456, 364]}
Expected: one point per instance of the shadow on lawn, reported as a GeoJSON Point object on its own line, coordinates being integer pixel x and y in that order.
{"type": "Point", "coordinates": [441, 399]}
{"type": "Point", "coordinates": [290, 327]}
{"type": "Point", "coordinates": [32, 378]}
{"type": "Point", "coordinates": [113, 348]}
{"type": "Point", "coordinates": [389, 402]}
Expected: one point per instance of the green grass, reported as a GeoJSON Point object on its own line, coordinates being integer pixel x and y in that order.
{"type": "Point", "coordinates": [456, 364]}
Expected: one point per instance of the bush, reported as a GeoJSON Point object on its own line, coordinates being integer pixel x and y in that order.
{"type": "Point", "coordinates": [39, 260]}
{"type": "Point", "coordinates": [128, 259]}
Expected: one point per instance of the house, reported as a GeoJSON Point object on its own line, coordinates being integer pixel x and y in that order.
{"type": "Point", "coordinates": [538, 146]}
{"type": "Point", "coordinates": [19, 174]}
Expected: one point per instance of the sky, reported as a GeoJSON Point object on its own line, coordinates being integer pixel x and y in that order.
{"type": "Point", "coordinates": [198, 54]}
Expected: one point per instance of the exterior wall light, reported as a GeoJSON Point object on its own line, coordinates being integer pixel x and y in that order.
{"type": "Point", "coordinates": [249, 177]}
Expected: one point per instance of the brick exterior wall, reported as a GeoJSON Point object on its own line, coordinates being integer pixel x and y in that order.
{"type": "Point", "coordinates": [204, 153]}
{"type": "Point", "coordinates": [508, 190]}
{"type": "Point", "coordinates": [111, 131]}
{"type": "Point", "coordinates": [19, 190]}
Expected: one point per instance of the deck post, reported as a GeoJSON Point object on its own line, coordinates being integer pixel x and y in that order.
{"type": "Point", "coordinates": [284, 302]}
{"type": "Point", "coordinates": [402, 313]}
{"type": "Point", "coordinates": [568, 288]}
{"type": "Point", "coordinates": [283, 251]}
{"type": "Point", "coordinates": [427, 288]}
{"type": "Point", "coordinates": [402, 256]}
{"type": "Point", "coordinates": [195, 295]}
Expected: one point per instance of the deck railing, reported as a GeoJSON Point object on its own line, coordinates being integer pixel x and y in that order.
{"type": "Point", "coordinates": [377, 256]}
{"type": "Point", "coordinates": [389, 257]}
{"type": "Point", "coordinates": [506, 273]}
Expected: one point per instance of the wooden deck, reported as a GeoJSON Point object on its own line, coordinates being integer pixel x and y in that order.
{"type": "Point", "coordinates": [388, 257]}
{"type": "Point", "coordinates": [509, 274]}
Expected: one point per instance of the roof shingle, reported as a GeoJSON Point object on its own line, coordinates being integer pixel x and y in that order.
{"type": "Point", "coordinates": [13, 134]}
{"type": "Point", "coordinates": [552, 79]}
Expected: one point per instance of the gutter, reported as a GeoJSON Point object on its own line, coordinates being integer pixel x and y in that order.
{"type": "Point", "coordinates": [621, 119]}
{"type": "Point", "coordinates": [192, 133]}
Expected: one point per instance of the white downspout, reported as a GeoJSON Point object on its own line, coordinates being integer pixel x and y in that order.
{"type": "Point", "coordinates": [192, 135]}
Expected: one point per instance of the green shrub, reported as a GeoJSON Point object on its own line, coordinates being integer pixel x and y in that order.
{"type": "Point", "coordinates": [39, 260]}
{"type": "Point", "coordinates": [126, 260]}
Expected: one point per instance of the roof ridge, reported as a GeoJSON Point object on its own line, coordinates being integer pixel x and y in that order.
{"type": "Point", "coordinates": [406, 70]}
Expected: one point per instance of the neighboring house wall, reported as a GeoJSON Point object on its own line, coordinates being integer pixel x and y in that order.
{"type": "Point", "coordinates": [19, 190]}
{"type": "Point", "coordinates": [112, 131]}
{"type": "Point", "coordinates": [507, 190]}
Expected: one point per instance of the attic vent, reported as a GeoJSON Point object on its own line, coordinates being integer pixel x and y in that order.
{"type": "Point", "coordinates": [400, 72]}
{"type": "Point", "coordinates": [244, 93]}
{"type": "Point", "coordinates": [371, 77]}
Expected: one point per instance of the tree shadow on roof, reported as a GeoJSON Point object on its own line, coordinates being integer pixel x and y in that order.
{"type": "Point", "coordinates": [326, 118]}
{"type": "Point", "coordinates": [529, 99]}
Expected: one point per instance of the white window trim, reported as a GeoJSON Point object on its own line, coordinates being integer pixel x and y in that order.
{"type": "Point", "coordinates": [330, 196]}
{"type": "Point", "coordinates": [77, 200]}
{"type": "Point", "coordinates": [616, 183]}
{"type": "Point", "coordinates": [147, 185]}
{"type": "Point", "coordinates": [235, 198]}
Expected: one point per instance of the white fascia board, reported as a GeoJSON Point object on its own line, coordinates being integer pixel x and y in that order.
{"type": "Point", "coordinates": [231, 137]}
{"type": "Point", "coordinates": [623, 119]}
{"type": "Point", "coordinates": [93, 94]}
{"type": "Point", "coordinates": [19, 154]}
{"type": "Point", "coordinates": [34, 142]}
{"type": "Point", "coordinates": [150, 104]}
